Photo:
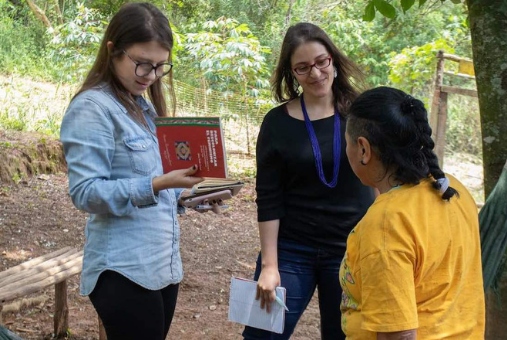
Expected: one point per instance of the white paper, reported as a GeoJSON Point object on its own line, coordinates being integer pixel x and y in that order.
{"type": "Point", "coordinates": [244, 309]}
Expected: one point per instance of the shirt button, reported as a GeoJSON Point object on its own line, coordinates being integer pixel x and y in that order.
{"type": "Point", "coordinates": [144, 146]}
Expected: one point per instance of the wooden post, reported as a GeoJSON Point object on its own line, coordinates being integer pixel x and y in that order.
{"type": "Point", "coordinates": [102, 331]}
{"type": "Point", "coordinates": [1, 308]}
{"type": "Point", "coordinates": [441, 129]}
{"type": "Point", "coordinates": [61, 319]}
{"type": "Point", "coordinates": [439, 80]}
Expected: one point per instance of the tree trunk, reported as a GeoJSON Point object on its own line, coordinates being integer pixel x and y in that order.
{"type": "Point", "coordinates": [488, 22]}
{"type": "Point", "coordinates": [288, 15]}
{"type": "Point", "coordinates": [39, 13]}
{"type": "Point", "coordinates": [493, 223]}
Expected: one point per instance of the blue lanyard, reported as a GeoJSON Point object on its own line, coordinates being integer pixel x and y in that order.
{"type": "Point", "coordinates": [316, 149]}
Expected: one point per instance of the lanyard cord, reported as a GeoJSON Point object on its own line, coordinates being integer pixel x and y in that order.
{"type": "Point", "coordinates": [316, 148]}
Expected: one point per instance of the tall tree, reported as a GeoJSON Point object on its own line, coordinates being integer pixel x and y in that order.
{"type": "Point", "coordinates": [488, 25]}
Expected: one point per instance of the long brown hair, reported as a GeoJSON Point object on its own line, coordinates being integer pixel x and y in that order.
{"type": "Point", "coordinates": [134, 23]}
{"type": "Point", "coordinates": [285, 87]}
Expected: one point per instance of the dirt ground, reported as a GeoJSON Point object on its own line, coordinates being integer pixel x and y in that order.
{"type": "Point", "coordinates": [37, 217]}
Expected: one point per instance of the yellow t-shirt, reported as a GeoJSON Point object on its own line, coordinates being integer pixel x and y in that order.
{"type": "Point", "coordinates": [414, 262]}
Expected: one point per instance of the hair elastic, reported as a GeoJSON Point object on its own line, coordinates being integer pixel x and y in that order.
{"type": "Point", "coordinates": [444, 184]}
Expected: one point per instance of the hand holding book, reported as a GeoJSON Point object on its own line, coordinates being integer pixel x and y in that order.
{"type": "Point", "coordinates": [186, 140]}
{"type": "Point", "coordinates": [181, 178]}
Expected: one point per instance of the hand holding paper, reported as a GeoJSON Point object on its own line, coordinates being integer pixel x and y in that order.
{"type": "Point", "coordinates": [245, 309]}
{"type": "Point", "coordinates": [268, 280]}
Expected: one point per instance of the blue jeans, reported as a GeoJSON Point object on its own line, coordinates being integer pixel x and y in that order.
{"type": "Point", "coordinates": [303, 268]}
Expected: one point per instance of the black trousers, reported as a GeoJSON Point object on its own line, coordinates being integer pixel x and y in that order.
{"type": "Point", "coordinates": [131, 312]}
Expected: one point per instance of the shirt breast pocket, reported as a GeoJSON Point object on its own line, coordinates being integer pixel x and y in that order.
{"type": "Point", "coordinates": [142, 153]}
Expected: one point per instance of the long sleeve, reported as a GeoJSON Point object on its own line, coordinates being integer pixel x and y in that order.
{"type": "Point", "coordinates": [270, 169]}
{"type": "Point", "coordinates": [88, 137]}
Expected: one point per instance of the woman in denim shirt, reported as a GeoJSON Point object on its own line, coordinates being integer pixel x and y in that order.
{"type": "Point", "coordinates": [132, 264]}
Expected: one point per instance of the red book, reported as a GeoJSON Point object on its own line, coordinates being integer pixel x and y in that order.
{"type": "Point", "coordinates": [185, 141]}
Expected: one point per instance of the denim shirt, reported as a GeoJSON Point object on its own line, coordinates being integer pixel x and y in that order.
{"type": "Point", "coordinates": [111, 161]}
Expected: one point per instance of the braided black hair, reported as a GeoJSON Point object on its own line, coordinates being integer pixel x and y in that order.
{"type": "Point", "coordinates": [396, 125]}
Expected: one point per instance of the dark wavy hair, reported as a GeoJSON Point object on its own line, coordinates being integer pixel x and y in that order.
{"type": "Point", "coordinates": [283, 83]}
{"type": "Point", "coordinates": [134, 23]}
{"type": "Point", "coordinates": [396, 125]}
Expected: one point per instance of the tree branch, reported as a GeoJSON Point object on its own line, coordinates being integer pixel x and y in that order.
{"type": "Point", "coordinates": [287, 16]}
{"type": "Point", "coordinates": [58, 12]}
{"type": "Point", "coordinates": [39, 13]}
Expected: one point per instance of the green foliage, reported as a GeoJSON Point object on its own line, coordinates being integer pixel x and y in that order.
{"type": "Point", "coordinates": [231, 57]}
{"type": "Point", "coordinates": [373, 44]}
{"type": "Point", "coordinates": [22, 120]}
{"type": "Point", "coordinates": [17, 177]}
{"type": "Point", "coordinates": [406, 4]}
{"type": "Point", "coordinates": [76, 42]}
{"type": "Point", "coordinates": [389, 11]}
{"type": "Point", "coordinates": [228, 56]}
{"type": "Point", "coordinates": [385, 8]}
{"type": "Point", "coordinates": [369, 12]}
{"type": "Point", "coordinates": [463, 122]}
{"type": "Point", "coordinates": [413, 69]}
{"type": "Point", "coordinates": [16, 122]}
{"type": "Point", "coordinates": [21, 41]}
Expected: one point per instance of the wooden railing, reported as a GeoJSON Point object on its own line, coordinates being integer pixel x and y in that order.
{"type": "Point", "coordinates": [438, 116]}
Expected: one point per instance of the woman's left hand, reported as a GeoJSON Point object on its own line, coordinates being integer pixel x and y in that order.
{"type": "Point", "coordinates": [215, 205]}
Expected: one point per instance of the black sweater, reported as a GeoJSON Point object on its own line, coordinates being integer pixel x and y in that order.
{"type": "Point", "coordinates": [288, 186]}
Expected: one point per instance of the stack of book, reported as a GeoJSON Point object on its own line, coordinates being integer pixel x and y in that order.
{"type": "Point", "coordinates": [185, 141]}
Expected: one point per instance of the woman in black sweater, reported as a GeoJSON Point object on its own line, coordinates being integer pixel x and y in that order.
{"type": "Point", "coordinates": [308, 198]}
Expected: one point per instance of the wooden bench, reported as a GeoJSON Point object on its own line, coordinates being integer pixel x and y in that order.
{"type": "Point", "coordinates": [39, 273]}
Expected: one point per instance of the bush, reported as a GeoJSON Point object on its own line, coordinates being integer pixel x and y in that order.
{"type": "Point", "coordinates": [74, 47]}
{"type": "Point", "coordinates": [22, 42]}
{"type": "Point", "coordinates": [463, 125]}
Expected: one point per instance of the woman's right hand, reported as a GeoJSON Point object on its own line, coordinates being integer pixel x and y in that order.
{"type": "Point", "coordinates": [176, 179]}
{"type": "Point", "coordinates": [268, 281]}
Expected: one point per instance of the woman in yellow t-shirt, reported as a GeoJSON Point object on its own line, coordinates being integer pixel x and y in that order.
{"type": "Point", "coordinates": [412, 269]}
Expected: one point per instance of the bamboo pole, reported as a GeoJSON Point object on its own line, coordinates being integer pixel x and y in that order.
{"type": "Point", "coordinates": [75, 260]}
{"type": "Point", "coordinates": [32, 263]}
{"type": "Point", "coordinates": [47, 265]}
{"type": "Point", "coordinates": [32, 288]}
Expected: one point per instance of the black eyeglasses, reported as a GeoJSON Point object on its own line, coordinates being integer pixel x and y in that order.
{"type": "Point", "coordinates": [144, 69]}
{"type": "Point", "coordinates": [319, 64]}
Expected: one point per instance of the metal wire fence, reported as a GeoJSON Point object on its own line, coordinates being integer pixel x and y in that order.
{"type": "Point", "coordinates": [240, 119]}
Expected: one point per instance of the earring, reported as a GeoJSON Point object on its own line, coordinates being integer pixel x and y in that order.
{"type": "Point", "coordinates": [335, 72]}
{"type": "Point", "coordinates": [362, 162]}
